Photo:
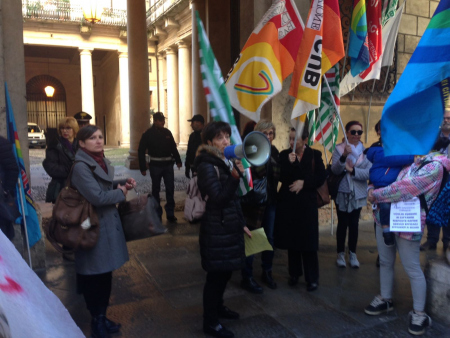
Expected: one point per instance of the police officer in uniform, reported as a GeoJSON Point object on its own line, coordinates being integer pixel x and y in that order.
{"type": "Point", "coordinates": [82, 118]}
{"type": "Point", "coordinates": [195, 140]}
{"type": "Point", "coordinates": [162, 150]}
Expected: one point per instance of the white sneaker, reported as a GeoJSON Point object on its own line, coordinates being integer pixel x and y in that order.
{"type": "Point", "coordinates": [341, 260]}
{"type": "Point", "coordinates": [354, 263]}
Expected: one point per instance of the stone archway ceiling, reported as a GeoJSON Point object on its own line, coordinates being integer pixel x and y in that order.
{"type": "Point", "coordinates": [37, 84]}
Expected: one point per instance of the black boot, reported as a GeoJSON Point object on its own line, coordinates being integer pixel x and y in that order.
{"type": "Point", "coordinates": [98, 327]}
{"type": "Point", "coordinates": [250, 285]}
{"type": "Point", "coordinates": [268, 279]}
{"type": "Point", "coordinates": [111, 327]}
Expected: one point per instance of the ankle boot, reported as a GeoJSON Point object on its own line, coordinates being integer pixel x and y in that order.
{"type": "Point", "coordinates": [111, 327]}
{"type": "Point", "coordinates": [98, 327]}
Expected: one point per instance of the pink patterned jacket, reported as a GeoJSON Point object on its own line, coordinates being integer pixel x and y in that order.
{"type": "Point", "coordinates": [409, 184]}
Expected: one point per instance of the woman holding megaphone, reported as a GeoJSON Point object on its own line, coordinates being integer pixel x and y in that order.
{"type": "Point", "coordinates": [222, 225]}
{"type": "Point", "coordinates": [297, 215]}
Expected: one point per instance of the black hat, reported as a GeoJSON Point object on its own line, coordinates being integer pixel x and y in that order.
{"type": "Point", "coordinates": [198, 118]}
{"type": "Point", "coordinates": [158, 116]}
{"type": "Point", "coordinates": [82, 116]}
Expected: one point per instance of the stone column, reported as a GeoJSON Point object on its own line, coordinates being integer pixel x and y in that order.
{"type": "Point", "coordinates": [161, 80]}
{"type": "Point", "coordinates": [139, 97]}
{"type": "Point", "coordinates": [124, 100]}
{"type": "Point", "coordinates": [199, 105]}
{"type": "Point", "coordinates": [184, 85]}
{"type": "Point", "coordinates": [87, 83]}
{"type": "Point", "coordinates": [172, 94]}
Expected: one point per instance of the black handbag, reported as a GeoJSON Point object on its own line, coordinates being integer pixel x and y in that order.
{"type": "Point", "coordinates": [333, 182]}
{"type": "Point", "coordinates": [8, 208]}
{"type": "Point", "coordinates": [258, 195]}
{"type": "Point", "coordinates": [140, 218]}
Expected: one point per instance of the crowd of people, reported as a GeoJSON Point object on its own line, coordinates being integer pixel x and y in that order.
{"type": "Point", "coordinates": [291, 178]}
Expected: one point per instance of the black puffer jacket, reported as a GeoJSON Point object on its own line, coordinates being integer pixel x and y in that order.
{"type": "Point", "coordinates": [221, 230]}
{"type": "Point", "coordinates": [9, 171]}
{"type": "Point", "coordinates": [57, 163]}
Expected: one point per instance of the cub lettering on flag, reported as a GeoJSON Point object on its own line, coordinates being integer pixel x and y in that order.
{"type": "Point", "coordinates": [267, 58]}
{"type": "Point", "coordinates": [321, 48]}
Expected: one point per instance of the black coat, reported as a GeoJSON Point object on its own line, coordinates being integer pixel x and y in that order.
{"type": "Point", "coordinates": [9, 171]}
{"type": "Point", "coordinates": [297, 216]}
{"type": "Point", "coordinates": [195, 140]}
{"type": "Point", "coordinates": [221, 230]}
{"type": "Point", "coordinates": [57, 163]}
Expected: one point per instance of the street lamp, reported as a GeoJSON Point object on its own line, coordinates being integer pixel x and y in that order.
{"type": "Point", "coordinates": [92, 10]}
{"type": "Point", "coordinates": [49, 91]}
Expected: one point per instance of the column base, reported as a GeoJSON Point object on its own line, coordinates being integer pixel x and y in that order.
{"type": "Point", "coordinates": [437, 273]}
{"type": "Point", "coordinates": [132, 163]}
{"type": "Point", "coordinates": [125, 145]}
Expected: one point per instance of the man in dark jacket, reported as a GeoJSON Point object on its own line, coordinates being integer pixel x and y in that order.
{"type": "Point", "coordinates": [162, 150]}
{"type": "Point", "coordinates": [9, 173]}
{"type": "Point", "coordinates": [195, 140]}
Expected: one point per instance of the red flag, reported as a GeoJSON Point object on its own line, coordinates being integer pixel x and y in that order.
{"type": "Point", "coordinates": [373, 34]}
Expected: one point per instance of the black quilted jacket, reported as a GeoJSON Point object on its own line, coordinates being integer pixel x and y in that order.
{"type": "Point", "coordinates": [221, 231]}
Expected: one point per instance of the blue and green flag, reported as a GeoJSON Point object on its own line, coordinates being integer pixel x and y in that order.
{"type": "Point", "coordinates": [415, 109]}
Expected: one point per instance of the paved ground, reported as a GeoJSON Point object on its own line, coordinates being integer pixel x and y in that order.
{"type": "Point", "coordinates": [158, 293]}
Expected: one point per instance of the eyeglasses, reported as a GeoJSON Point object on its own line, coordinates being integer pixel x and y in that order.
{"type": "Point", "coordinates": [354, 132]}
{"type": "Point", "coordinates": [65, 128]}
{"type": "Point", "coordinates": [270, 133]}
{"type": "Point", "coordinates": [447, 118]}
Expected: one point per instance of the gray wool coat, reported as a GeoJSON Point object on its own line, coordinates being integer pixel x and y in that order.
{"type": "Point", "coordinates": [96, 186]}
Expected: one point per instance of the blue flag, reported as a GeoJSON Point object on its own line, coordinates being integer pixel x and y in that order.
{"type": "Point", "coordinates": [414, 111]}
{"type": "Point", "coordinates": [32, 221]}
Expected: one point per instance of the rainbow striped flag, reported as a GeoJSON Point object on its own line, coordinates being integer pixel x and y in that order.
{"type": "Point", "coordinates": [358, 50]}
{"type": "Point", "coordinates": [33, 229]}
{"type": "Point", "coordinates": [267, 58]}
{"type": "Point", "coordinates": [320, 49]}
{"type": "Point", "coordinates": [415, 109]}
{"type": "Point", "coordinates": [217, 97]}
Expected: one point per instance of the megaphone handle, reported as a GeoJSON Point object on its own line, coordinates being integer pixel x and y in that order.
{"type": "Point", "coordinates": [241, 175]}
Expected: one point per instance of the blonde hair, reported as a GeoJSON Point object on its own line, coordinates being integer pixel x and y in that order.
{"type": "Point", "coordinates": [264, 125]}
{"type": "Point", "coordinates": [68, 122]}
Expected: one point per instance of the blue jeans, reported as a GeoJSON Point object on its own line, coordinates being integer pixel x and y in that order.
{"type": "Point", "coordinates": [266, 256]}
{"type": "Point", "coordinates": [156, 174]}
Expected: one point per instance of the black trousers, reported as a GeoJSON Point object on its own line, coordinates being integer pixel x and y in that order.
{"type": "Point", "coordinates": [96, 290]}
{"type": "Point", "coordinates": [213, 291]}
{"type": "Point", "coordinates": [158, 172]}
{"type": "Point", "coordinates": [304, 261]}
{"type": "Point", "coordinates": [348, 220]}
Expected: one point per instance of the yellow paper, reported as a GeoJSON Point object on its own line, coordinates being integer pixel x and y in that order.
{"type": "Point", "coordinates": [257, 243]}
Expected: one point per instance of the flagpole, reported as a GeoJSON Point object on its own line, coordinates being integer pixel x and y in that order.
{"type": "Point", "coordinates": [345, 56]}
{"type": "Point", "coordinates": [336, 107]}
{"type": "Point", "coordinates": [326, 159]}
{"type": "Point", "coordinates": [368, 113]}
{"type": "Point", "coordinates": [24, 222]}
{"type": "Point", "coordinates": [296, 134]}
{"type": "Point", "coordinates": [386, 78]}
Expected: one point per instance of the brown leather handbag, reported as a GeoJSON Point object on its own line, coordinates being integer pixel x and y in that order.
{"type": "Point", "coordinates": [74, 222]}
{"type": "Point", "coordinates": [322, 194]}
{"type": "Point", "coordinates": [140, 218]}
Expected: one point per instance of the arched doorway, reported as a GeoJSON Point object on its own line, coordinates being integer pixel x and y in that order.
{"type": "Point", "coordinates": [44, 109]}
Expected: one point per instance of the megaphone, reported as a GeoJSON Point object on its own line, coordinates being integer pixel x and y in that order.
{"type": "Point", "coordinates": [255, 149]}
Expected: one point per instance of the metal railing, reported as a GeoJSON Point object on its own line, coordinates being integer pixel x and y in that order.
{"type": "Point", "coordinates": [160, 8]}
{"type": "Point", "coordinates": [69, 11]}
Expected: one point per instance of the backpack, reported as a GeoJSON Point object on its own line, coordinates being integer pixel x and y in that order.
{"type": "Point", "coordinates": [195, 204]}
{"type": "Point", "coordinates": [439, 212]}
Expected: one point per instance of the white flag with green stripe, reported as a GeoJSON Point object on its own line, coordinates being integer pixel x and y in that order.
{"type": "Point", "coordinates": [324, 125]}
{"type": "Point", "coordinates": [217, 97]}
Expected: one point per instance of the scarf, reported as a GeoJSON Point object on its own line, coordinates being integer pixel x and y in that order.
{"type": "Point", "coordinates": [69, 146]}
{"type": "Point", "coordinates": [98, 157]}
{"type": "Point", "coordinates": [354, 157]}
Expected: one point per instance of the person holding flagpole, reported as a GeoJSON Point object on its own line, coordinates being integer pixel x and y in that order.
{"type": "Point", "coordinates": [352, 193]}
{"type": "Point", "coordinates": [297, 216]}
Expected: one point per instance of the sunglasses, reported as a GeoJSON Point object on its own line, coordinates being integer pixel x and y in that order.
{"type": "Point", "coordinates": [354, 132]}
